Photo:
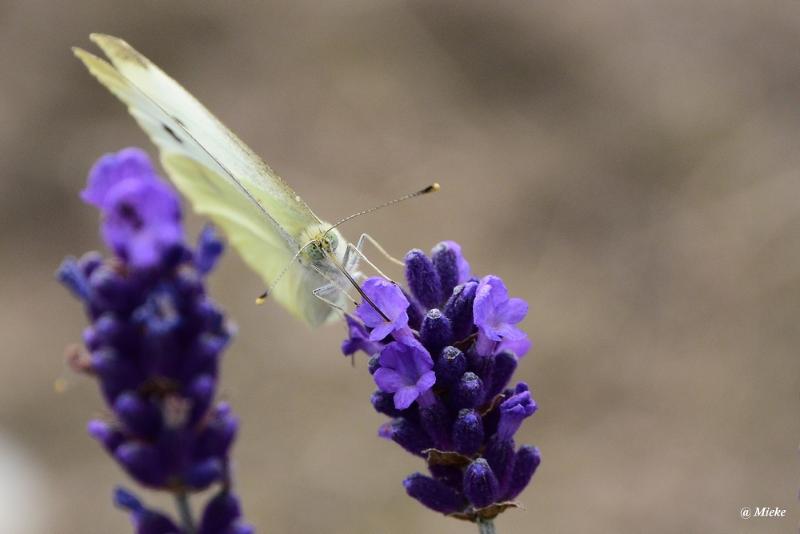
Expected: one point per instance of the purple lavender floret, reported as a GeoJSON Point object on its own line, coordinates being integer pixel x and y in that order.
{"type": "Point", "coordinates": [443, 362]}
{"type": "Point", "coordinates": [155, 341]}
{"type": "Point", "coordinates": [407, 372]}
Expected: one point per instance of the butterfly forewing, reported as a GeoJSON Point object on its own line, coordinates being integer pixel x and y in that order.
{"type": "Point", "coordinates": [264, 219]}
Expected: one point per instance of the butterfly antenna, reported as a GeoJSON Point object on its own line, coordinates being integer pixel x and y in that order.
{"type": "Point", "coordinates": [430, 189]}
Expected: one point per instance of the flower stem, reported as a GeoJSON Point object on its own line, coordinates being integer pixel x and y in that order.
{"type": "Point", "coordinates": [185, 511]}
{"type": "Point", "coordinates": [486, 526]}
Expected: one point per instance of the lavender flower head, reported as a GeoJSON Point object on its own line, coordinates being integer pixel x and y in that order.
{"type": "Point", "coordinates": [443, 362]}
{"type": "Point", "coordinates": [154, 345]}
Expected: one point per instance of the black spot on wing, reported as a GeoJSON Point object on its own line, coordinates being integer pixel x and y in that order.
{"type": "Point", "coordinates": [172, 133]}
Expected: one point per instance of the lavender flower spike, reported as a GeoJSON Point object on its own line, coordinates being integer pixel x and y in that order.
{"type": "Point", "coordinates": [154, 345]}
{"type": "Point", "coordinates": [442, 364]}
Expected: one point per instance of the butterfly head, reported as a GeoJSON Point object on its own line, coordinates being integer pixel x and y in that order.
{"type": "Point", "coordinates": [323, 242]}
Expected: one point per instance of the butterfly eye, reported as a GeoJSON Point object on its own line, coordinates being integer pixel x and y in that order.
{"type": "Point", "coordinates": [333, 242]}
{"type": "Point", "coordinates": [316, 252]}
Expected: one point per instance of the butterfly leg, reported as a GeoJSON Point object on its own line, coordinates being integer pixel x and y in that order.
{"type": "Point", "coordinates": [351, 261]}
{"type": "Point", "coordinates": [358, 255]}
{"type": "Point", "coordinates": [329, 290]}
{"type": "Point", "coordinates": [367, 237]}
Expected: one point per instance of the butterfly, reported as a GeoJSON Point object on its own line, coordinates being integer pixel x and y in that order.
{"type": "Point", "coordinates": [263, 218]}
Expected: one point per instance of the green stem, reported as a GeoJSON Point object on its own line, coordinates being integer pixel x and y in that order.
{"type": "Point", "coordinates": [486, 526]}
{"type": "Point", "coordinates": [185, 511]}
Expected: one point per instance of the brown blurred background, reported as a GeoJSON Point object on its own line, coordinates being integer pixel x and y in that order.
{"type": "Point", "coordinates": [630, 168]}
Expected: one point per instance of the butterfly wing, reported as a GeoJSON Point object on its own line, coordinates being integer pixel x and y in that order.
{"type": "Point", "coordinates": [261, 215]}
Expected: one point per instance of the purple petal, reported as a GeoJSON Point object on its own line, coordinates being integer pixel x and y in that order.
{"type": "Point", "coordinates": [358, 339]}
{"type": "Point", "coordinates": [495, 314]}
{"type": "Point", "coordinates": [422, 360]}
{"type": "Point", "coordinates": [389, 380]}
{"type": "Point", "coordinates": [513, 311]}
{"type": "Point", "coordinates": [507, 331]}
{"type": "Point", "coordinates": [113, 168]}
{"type": "Point", "coordinates": [520, 347]}
{"type": "Point", "coordinates": [389, 299]}
{"type": "Point", "coordinates": [426, 381]}
{"type": "Point", "coordinates": [380, 331]}
{"type": "Point", "coordinates": [405, 396]}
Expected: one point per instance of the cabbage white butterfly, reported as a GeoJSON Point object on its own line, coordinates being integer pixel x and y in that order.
{"type": "Point", "coordinates": [264, 219]}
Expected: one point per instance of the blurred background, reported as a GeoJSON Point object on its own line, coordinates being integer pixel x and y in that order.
{"type": "Point", "coordinates": [629, 168]}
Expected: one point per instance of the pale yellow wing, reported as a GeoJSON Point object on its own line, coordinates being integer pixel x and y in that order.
{"type": "Point", "coordinates": [261, 216]}
{"type": "Point", "coordinates": [231, 157]}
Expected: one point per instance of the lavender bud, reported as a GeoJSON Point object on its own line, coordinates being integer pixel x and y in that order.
{"type": "Point", "coordinates": [142, 462]}
{"type": "Point", "coordinates": [423, 280]}
{"type": "Point", "coordinates": [450, 365]}
{"type": "Point", "coordinates": [202, 474]}
{"type": "Point", "coordinates": [201, 394]}
{"type": "Point", "coordinates": [408, 435]}
{"type": "Point", "coordinates": [209, 249]}
{"type": "Point", "coordinates": [437, 423]}
{"type": "Point", "coordinates": [89, 262]}
{"type": "Point", "coordinates": [108, 436]}
{"type": "Point", "coordinates": [109, 289]}
{"type": "Point", "coordinates": [415, 313]}
{"type": "Point", "coordinates": [500, 455]}
{"type": "Point", "coordinates": [459, 309]}
{"type": "Point", "coordinates": [139, 416]}
{"type": "Point", "coordinates": [435, 331]}
{"type": "Point", "coordinates": [505, 363]}
{"type": "Point", "coordinates": [433, 494]}
{"type": "Point", "coordinates": [445, 260]}
{"type": "Point", "coordinates": [526, 461]}
{"type": "Point", "coordinates": [107, 328]}
{"type": "Point", "coordinates": [384, 403]}
{"type": "Point", "coordinates": [72, 276]}
{"type": "Point", "coordinates": [216, 438]}
{"type": "Point", "coordinates": [222, 514]}
{"type": "Point", "coordinates": [125, 499]}
{"type": "Point", "coordinates": [146, 521]}
{"type": "Point", "coordinates": [116, 374]}
{"type": "Point", "coordinates": [188, 284]}
{"type": "Point", "coordinates": [469, 392]}
{"type": "Point", "coordinates": [468, 432]}
{"type": "Point", "coordinates": [208, 315]}
{"type": "Point", "coordinates": [205, 353]}
{"type": "Point", "coordinates": [452, 475]}
{"type": "Point", "coordinates": [480, 484]}
{"type": "Point", "coordinates": [480, 365]}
